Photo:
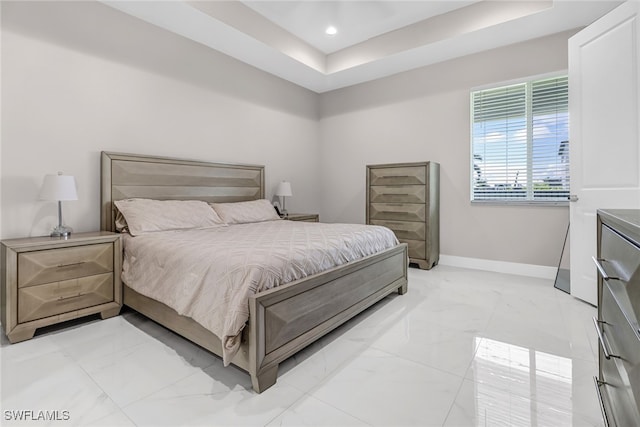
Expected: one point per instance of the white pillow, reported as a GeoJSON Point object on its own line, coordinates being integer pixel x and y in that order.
{"type": "Point", "coordinates": [243, 212]}
{"type": "Point", "coordinates": [147, 215]}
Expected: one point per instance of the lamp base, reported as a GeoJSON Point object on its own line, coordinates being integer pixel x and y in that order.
{"type": "Point", "coordinates": [61, 231]}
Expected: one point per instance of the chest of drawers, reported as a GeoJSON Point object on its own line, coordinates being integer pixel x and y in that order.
{"type": "Point", "coordinates": [617, 326]}
{"type": "Point", "coordinates": [405, 197]}
{"type": "Point", "coordinates": [49, 280]}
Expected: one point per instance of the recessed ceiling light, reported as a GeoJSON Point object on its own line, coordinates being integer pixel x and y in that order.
{"type": "Point", "coordinates": [331, 30]}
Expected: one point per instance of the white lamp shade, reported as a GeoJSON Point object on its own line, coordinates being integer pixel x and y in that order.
{"type": "Point", "coordinates": [284, 189]}
{"type": "Point", "coordinates": [59, 187]}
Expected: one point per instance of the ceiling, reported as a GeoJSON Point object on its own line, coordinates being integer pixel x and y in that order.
{"type": "Point", "coordinates": [374, 39]}
{"type": "Point", "coordinates": [356, 21]}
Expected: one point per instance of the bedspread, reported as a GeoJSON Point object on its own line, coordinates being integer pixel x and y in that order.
{"type": "Point", "coordinates": [209, 274]}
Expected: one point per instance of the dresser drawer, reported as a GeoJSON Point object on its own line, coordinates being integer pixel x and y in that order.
{"type": "Point", "coordinates": [55, 265]}
{"type": "Point", "coordinates": [620, 259]}
{"type": "Point", "coordinates": [405, 230]}
{"type": "Point", "coordinates": [619, 404]}
{"type": "Point", "coordinates": [417, 248]}
{"type": "Point", "coordinates": [398, 211]}
{"type": "Point", "coordinates": [624, 254]}
{"type": "Point", "coordinates": [37, 302]}
{"type": "Point", "coordinates": [406, 194]}
{"type": "Point", "coordinates": [412, 175]}
{"type": "Point", "coordinates": [620, 373]}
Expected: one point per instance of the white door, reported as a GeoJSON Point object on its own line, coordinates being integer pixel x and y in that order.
{"type": "Point", "coordinates": [604, 93]}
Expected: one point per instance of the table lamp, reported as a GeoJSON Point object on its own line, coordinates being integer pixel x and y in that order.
{"type": "Point", "coordinates": [283, 191]}
{"type": "Point", "coordinates": [59, 188]}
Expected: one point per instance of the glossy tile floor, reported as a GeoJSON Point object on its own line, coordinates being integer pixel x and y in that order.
{"type": "Point", "coordinates": [461, 348]}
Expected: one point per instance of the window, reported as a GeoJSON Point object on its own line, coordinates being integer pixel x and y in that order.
{"type": "Point", "coordinates": [520, 142]}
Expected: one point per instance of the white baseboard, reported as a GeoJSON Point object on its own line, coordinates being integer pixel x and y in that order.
{"type": "Point", "coordinates": [540, 271]}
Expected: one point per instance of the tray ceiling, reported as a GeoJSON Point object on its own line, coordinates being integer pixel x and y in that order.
{"type": "Point", "coordinates": [374, 39]}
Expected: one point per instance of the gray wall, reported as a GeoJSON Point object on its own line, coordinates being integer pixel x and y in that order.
{"type": "Point", "coordinates": [80, 77]}
{"type": "Point", "coordinates": [424, 115]}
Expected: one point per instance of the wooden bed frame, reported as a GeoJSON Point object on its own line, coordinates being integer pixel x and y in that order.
{"type": "Point", "coordinates": [283, 320]}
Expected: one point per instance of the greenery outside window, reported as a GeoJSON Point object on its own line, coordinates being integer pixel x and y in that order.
{"type": "Point", "coordinates": [520, 142]}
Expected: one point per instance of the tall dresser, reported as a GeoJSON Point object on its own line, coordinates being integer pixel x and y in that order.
{"type": "Point", "coordinates": [617, 325]}
{"type": "Point", "coordinates": [405, 197]}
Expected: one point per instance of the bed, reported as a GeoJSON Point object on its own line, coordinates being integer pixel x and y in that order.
{"type": "Point", "coordinates": [281, 320]}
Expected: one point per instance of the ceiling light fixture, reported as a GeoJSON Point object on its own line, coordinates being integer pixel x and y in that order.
{"type": "Point", "coordinates": [331, 30]}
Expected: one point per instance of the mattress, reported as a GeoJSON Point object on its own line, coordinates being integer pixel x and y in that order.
{"type": "Point", "coordinates": [209, 274]}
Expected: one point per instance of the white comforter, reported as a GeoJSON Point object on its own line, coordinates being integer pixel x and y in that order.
{"type": "Point", "coordinates": [209, 274]}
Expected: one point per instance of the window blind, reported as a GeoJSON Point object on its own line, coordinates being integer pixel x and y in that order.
{"type": "Point", "coordinates": [520, 142]}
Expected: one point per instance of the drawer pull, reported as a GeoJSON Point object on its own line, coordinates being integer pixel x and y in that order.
{"type": "Point", "coordinates": [395, 194]}
{"type": "Point", "coordinates": [599, 383]}
{"type": "Point", "coordinates": [80, 294]}
{"type": "Point", "coordinates": [605, 350]}
{"type": "Point", "coordinates": [600, 268]}
{"type": "Point", "coordinates": [70, 264]}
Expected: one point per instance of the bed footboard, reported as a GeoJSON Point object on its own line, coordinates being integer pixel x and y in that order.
{"type": "Point", "coordinates": [288, 318]}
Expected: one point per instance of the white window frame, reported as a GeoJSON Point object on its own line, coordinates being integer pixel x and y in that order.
{"type": "Point", "coordinates": [529, 200]}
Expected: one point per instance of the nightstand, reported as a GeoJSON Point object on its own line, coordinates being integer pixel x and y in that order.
{"type": "Point", "coordinates": [303, 217]}
{"type": "Point", "coordinates": [47, 280]}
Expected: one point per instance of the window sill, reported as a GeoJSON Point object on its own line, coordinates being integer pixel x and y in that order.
{"type": "Point", "coordinates": [521, 203]}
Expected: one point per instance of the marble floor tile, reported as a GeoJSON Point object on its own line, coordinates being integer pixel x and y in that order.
{"type": "Point", "coordinates": [33, 348]}
{"type": "Point", "coordinates": [202, 399]}
{"type": "Point", "coordinates": [143, 369]}
{"type": "Point", "coordinates": [480, 405]}
{"type": "Point", "coordinates": [51, 382]}
{"type": "Point", "coordinates": [319, 361]}
{"type": "Point", "coordinates": [382, 389]}
{"type": "Point", "coordinates": [309, 411]}
{"type": "Point", "coordinates": [415, 338]}
{"type": "Point", "coordinates": [461, 348]}
{"type": "Point", "coordinates": [99, 339]}
{"type": "Point", "coordinates": [118, 419]}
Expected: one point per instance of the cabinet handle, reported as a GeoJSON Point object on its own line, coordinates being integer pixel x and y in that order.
{"type": "Point", "coordinates": [598, 383]}
{"type": "Point", "coordinates": [71, 296]}
{"type": "Point", "coordinates": [600, 268]}
{"type": "Point", "coordinates": [395, 194]}
{"type": "Point", "coordinates": [605, 350]}
{"type": "Point", "coordinates": [70, 264]}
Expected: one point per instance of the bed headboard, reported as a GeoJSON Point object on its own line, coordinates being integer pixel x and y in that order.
{"type": "Point", "coordinates": [125, 176]}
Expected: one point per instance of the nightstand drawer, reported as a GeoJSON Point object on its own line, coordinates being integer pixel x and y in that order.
{"type": "Point", "coordinates": [37, 302]}
{"type": "Point", "coordinates": [303, 217]}
{"type": "Point", "coordinates": [55, 265]}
